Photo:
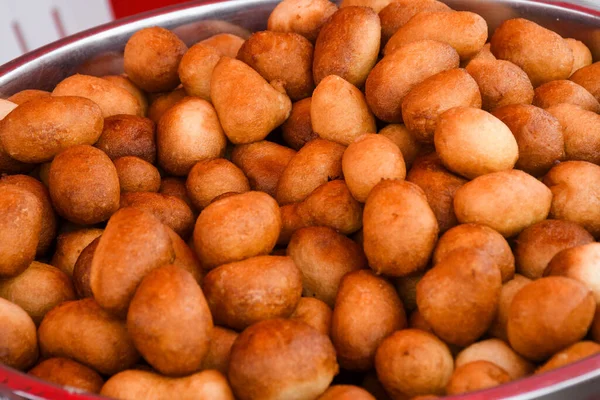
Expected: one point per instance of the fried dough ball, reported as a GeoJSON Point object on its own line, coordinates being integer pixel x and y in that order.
{"type": "Point", "coordinates": [522, 198]}
{"type": "Point", "coordinates": [539, 136]}
{"type": "Point", "coordinates": [348, 45]}
{"type": "Point", "coordinates": [476, 375]}
{"type": "Point", "coordinates": [459, 296]}
{"type": "Point", "coordinates": [472, 142]}
{"type": "Point", "coordinates": [137, 175]}
{"type": "Point", "coordinates": [305, 17]}
{"type": "Point", "coordinates": [211, 178]}
{"type": "Point", "coordinates": [249, 108]}
{"type": "Point", "coordinates": [548, 315]}
{"type": "Point", "coordinates": [284, 57]}
{"type": "Point", "coordinates": [69, 246]}
{"type": "Point", "coordinates": [66, 372]}
{"type": "Point", "coordinates": [406, 142]}
{"type": "Point", "coordinates": [582, 56]}
{"type": "Point", "coordinates": [439, 186]}
{"type": "Point", "coordinates": [297, 129]}
{"type": "Point", "coordinates": [400, 229]}
{"type": "Point", "coordinates": [263, 368]}
{"type": "Point", "coordinates": [324, 257]}
{"type": "Point", "coordinates": [339, 111]}
{"type": "Point", "coordinates": [578, 263]}
{"type": "Point", "coordinates": [38, 289]}
{"type": "Point", "coordinates": [20, 228]}
{"type": "Point", "coordinates": [368, 160]}
{"type": "Point", "coordinates": [235, 228]}
{"type": "Point", "coordinates": [263, 163]}
{"type": "Point", "coordinates": [397, 73]}
{"type": "Point", "coordinates": [151, 59]}
{"type": "Point", "coordinates": [189, 132]}
{"type": "Point", "coordinates": [581, 132]}
{"type": "Point", "coordinates": [480, 237]}
{"type": "Point", "coordinates": [497, 352]}
{"type": "Point", "coordinates": [501, 83]}
{"type": "Point", "coordinates": [571, 354]}
{"type": "Point", "coordinates": [410, 350]}
{"type": "Point", "coordinates": [49, 220]}
{"type": "Point", "coordinates": [526, 44]}
{"type": "Point", "coordinates": [538, 244]}
{"type": "Point", "coordinates": [508, 292]}
{"type": "Point", "coordinates": [398, 12]}
{"type": "Point", "coordinates": [18, 342]}
{"type": "Point", "coordinates": [588, 78]}
{"type": "Point", "coordinates": [367, 309]}
{"type": "Point", "coordinates": [128, 135]}
{"type": "Point", "coordinates": [84, 185]}
{"type": "Point", "coordinates": [465, 31]}
{"type": "Point", "coordinates": [573, 186]}
{"type": "Point", "coordinates": [425, 102]}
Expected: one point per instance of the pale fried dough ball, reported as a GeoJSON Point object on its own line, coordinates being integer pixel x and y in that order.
{"type": "Point", "coordinates": [368, 160]}
{"type": "Point", "coordinates": [523, 200]}
{"type": "Point", "coordinates": [339, 111]}
{"type": "Point", "coordinates": [188, 132]}
{"type": "Point", "coordinates": [472, 142]}
{"type": "Point", "coordinates": [301, 16]}
{"type": "Point", "coordinates": [498, 352]}
{"type": "Point", "coordinates": [582, 56]}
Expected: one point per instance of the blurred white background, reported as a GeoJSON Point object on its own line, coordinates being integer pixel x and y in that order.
{"type": "Point", "coordinates": [28, 24]}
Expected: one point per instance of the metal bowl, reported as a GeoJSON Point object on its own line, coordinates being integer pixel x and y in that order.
{"type": "Point", "coordinates": [99, 52]}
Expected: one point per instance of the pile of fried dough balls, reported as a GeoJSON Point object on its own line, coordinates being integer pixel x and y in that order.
{"type": "Point", "coordinates": [365, 202]}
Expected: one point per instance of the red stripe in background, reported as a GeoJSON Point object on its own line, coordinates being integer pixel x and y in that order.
{"type": "Point", "coordinates": [125, 8]}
